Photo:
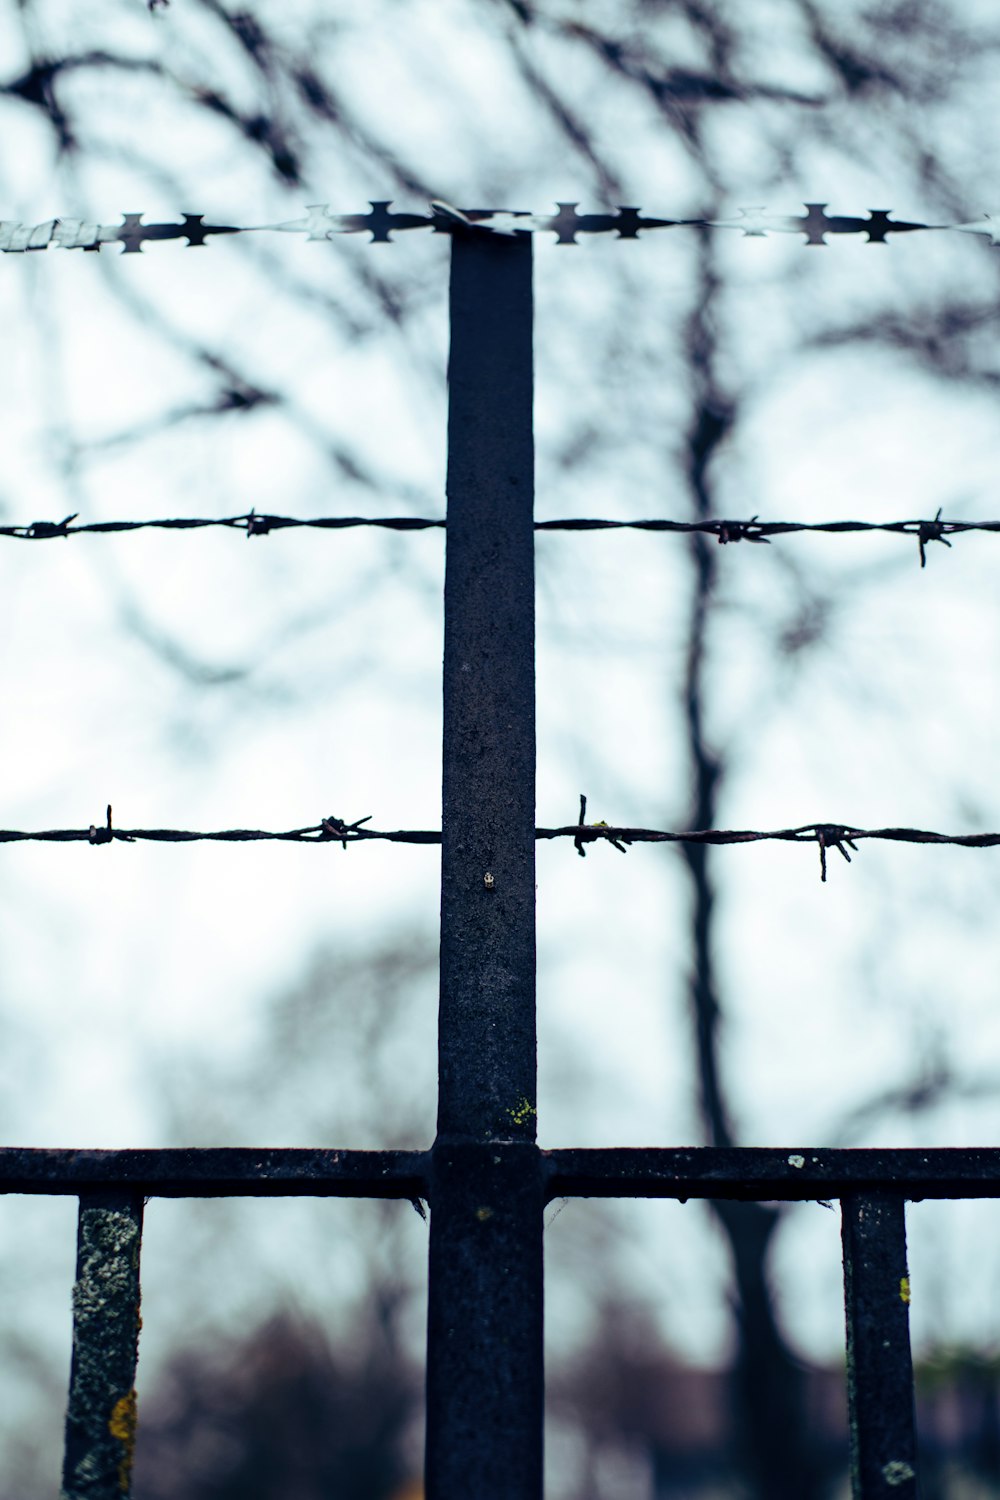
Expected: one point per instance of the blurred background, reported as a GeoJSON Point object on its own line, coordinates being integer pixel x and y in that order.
{"type": "Point", "coordinates": [282, 995]}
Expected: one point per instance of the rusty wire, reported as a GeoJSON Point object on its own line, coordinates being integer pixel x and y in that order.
{"type": "Point", "coordinates": [725, 531]}
{"type": "Point", "coordinates": [839, 836]}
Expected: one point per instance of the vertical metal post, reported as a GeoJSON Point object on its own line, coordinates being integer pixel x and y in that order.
{"type": "Point", "coordinates": [879, 1366]}
{"type": "Point", "coordinates": [101, 1413]}
{"type": "Point", "coordinates": [485, 1397]}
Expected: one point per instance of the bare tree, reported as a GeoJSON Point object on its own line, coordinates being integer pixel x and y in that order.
{"type": "Point", "coordinates": [293, 102]}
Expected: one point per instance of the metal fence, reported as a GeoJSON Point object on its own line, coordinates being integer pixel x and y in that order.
{"type": "Point", "coordinates": [485, 1180]}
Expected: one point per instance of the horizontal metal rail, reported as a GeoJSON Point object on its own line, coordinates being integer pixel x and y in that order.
{"type": "Point", "coordinates": [218, 1172]}
{"type": "Point", "coordinates": [771, 1174]}
{"type": "Point", "coordinates": [749, 1173]}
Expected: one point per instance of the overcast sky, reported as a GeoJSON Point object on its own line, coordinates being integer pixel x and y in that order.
{"type": "Point", "coordinates": [204, 680]}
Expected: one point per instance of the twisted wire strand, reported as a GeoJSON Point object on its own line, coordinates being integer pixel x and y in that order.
{"type": "Point", "coordinates": [252, 523]}
{"type": "Point", "coordinates": [826, 836]}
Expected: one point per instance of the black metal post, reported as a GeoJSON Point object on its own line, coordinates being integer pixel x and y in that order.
{"type": "Point", "coordinates": [485, 1396]}
{"type": "Point", "coordinates": [879, 1366]}
{"type": "Point", "coordinates": [101, 1413]}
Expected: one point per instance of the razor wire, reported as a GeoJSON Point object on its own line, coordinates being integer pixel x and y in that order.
{"type": "Point", "coordinates": [567, 224]}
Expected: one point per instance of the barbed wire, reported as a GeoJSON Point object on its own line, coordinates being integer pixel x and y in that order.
{"type": "Point", "coordinates": [761, 532]}
{"type": "Point", "coordinates": [251, 523]}
{"type": "Point", "coordinates": [839, 836]}
{"type": "Point", "coordinates": [724, 531]}
{"type": "Point", "coordinates": [567, 224]}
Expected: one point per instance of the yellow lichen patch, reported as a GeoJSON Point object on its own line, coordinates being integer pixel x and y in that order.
{"type": "Point", "coordinates": [897, 1472]}
{"type": "Point", "coordinates": [904, 1289]}
{"type": "Point", "coordinates": [523, 1112]}
{"type": "Point", "coordinates": [122, 1425]}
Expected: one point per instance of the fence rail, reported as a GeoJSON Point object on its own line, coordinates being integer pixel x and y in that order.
{"type": "Point", "coordinates": [786, 1174]}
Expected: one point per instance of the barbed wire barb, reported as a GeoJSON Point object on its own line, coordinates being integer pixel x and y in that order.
{"type": "Point", "coordinates": [578, 841]}
{"type": "Point", "coordinates": [107, 834]}
{"type": "Point", "coordinates": [336, 828]}
{"type": "Point", "coordinates": [931, 531]}
{"type": "Point", "coordinates": [833, 836]}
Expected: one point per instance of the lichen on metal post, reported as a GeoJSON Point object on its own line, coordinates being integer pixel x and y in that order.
{"type": "Point", "coordinates": [879, 1364]}
{"type": "Point", "coordinates": [484, 1380]}
{"type": "Point", "coordinates": [101, 1412]}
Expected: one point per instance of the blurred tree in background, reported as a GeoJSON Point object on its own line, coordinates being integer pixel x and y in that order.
{"type": "Point", "coordinates": [283, 1413]}
{"type": "Point", "coordinates": [667, 379]}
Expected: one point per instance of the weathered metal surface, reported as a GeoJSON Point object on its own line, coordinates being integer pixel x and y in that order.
{"type": "Point", "coordinates": [484, 1385]}
{"type": "Point", "coordinates": [487, 1032]}
{"type": "Point", "coordinates": [790, 1174]}
{"type": "Point", "coordinates": [218, 1172]}
{"type": "Point", "coordinates": [879, 1367]}
{"type": "Point", "coordinates": [615, 1172]}
{"type": "Point", "coordinates": [101, 1412]}
{"type": "Point", "coordinates": [484, 1369]}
